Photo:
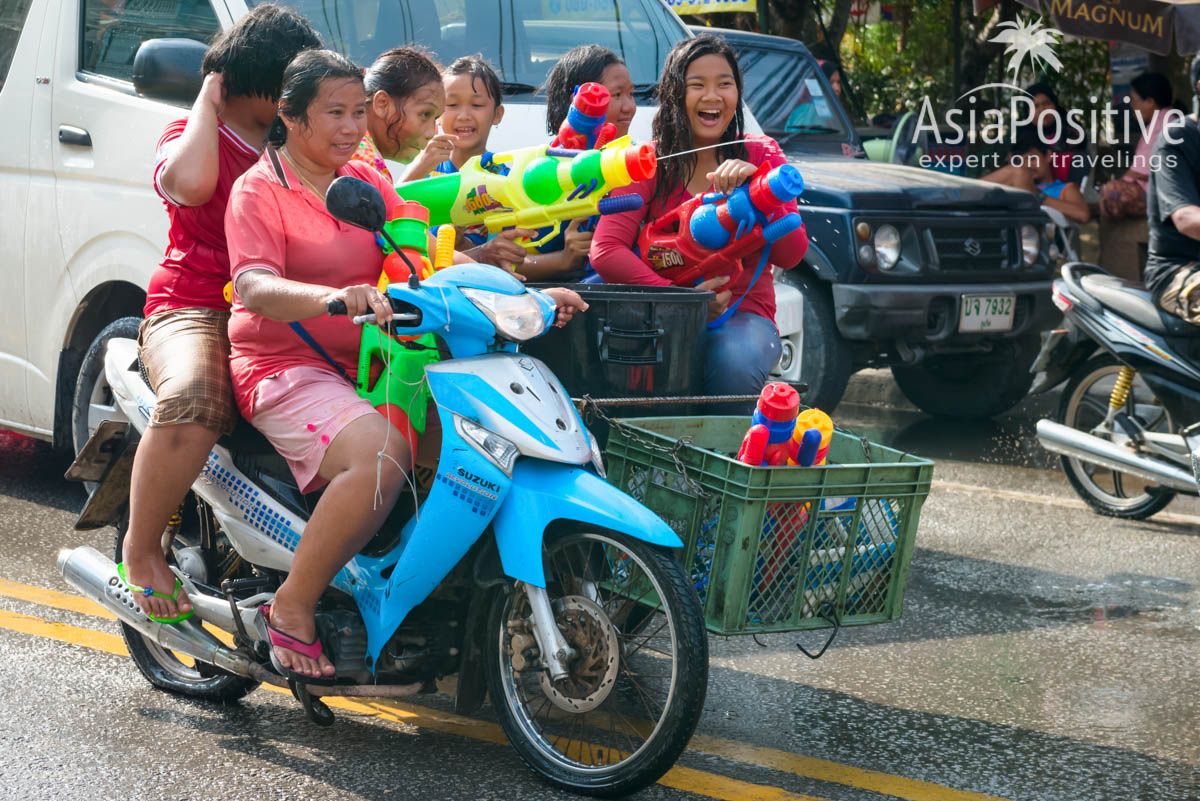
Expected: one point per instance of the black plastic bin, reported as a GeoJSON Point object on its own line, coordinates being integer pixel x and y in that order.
{"type": "Point", "coordinates": [634, 341]}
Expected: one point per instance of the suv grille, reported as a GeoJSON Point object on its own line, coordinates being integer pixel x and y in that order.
{"type": "Point", "coordinates": [973, 249]}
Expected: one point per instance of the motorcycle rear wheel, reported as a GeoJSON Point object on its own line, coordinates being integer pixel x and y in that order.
{"type": "Point", "coordinates": [627, 712]}
{"type": "Point", "coordinates": [1083, 407]}
{"type": "Point", "coordinates": [179, 673]}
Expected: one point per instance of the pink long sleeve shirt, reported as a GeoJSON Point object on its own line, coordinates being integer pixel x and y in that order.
{"type": "Point", "coordinates": [613, 257]}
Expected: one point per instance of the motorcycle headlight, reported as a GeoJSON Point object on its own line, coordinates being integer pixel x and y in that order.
{"type": "Point", "coordinates": [516, 317]}
{"type": "Point", "coordinates": [1031, 244]}
{"type": "Point", "coordinates": [597, 456]}
{"type": "Point", "coordinates": [887, 246]}
{"type": "Point", "coordinates": [493, 447]}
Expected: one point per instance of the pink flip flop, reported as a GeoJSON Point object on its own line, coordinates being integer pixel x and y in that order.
{"type": "Point", "coordinates": [281, 639]}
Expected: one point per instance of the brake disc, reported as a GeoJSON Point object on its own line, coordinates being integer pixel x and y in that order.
{"type": "Point", "coordinates": [593, 670]}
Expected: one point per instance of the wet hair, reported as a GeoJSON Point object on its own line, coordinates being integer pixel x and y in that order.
{"type": "Point", "coordinates": [578, 66]}
{"type": "Point", "coordinates": [251, 56]}
{"type": "Point", "coordinates": [479, 70]}
{"type": "Point", "coordinates": [1154, 86]}
{"type": "Point", "coordinates": [400, 72]}
{"type": "Point", "coordinates": [1028, 138]}
{"type": "Point", "coordinates": [672, 129]}
{"type": "Point", "coordinates": [1035, 89]}
{"type": "Point", "coordinates": [302, 83]}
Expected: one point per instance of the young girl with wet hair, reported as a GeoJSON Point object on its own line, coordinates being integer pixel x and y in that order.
{"type": "Point", "coordinates": [590, 64]}
{"type": "Point", "coordinates": [474, 105]}
{"type": "Point", "coordinates": [404, 100]}
{"type": "Point", "coordinates": [700, 96]}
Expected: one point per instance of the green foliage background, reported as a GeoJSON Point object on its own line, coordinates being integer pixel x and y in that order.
{"type": "Point", "coordinates": [893, 65]}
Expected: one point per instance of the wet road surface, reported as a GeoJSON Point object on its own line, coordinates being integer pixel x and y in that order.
{"type": "Point", "coordinates": [1045, 654]}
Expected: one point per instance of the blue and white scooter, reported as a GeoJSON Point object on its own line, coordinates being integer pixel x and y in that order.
{"type": "Point", "coordinates": [521, 570]}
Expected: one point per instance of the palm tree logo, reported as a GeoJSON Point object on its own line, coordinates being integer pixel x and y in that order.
{"type": "Point", "coordinates": [1026, 38]}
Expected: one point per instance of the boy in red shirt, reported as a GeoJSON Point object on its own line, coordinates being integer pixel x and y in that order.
{"type": "Point", "coordinates": [184, 341]}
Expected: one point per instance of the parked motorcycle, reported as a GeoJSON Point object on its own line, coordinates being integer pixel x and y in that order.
{"type": "Point", "coordinates": [1125, 427]}
{"type": "Point", "coordinates": [519, 569]}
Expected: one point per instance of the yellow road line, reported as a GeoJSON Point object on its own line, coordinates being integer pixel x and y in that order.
{"type": "Point", "coordinates": [54, 599]}
{"type": "Point", "coordinates": [688, 780]}
{"type": "Point", "coordinates": [834, 772]}
{"type": "Point", "coordinates": [759, 756]}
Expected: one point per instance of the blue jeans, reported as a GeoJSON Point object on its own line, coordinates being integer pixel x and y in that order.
{"type": "Point", "coordinates": [739, 358]}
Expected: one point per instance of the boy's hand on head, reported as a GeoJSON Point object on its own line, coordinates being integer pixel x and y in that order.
{"type": "Point", "coordinates": [730, 174]}
{"type": "Point", "coordinates": [212, 92]}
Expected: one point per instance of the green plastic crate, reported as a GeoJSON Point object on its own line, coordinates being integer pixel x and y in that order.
{"type": "Point", "coordinates": [775, 549]}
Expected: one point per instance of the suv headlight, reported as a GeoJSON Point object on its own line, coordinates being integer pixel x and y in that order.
{"type": "Point", "coordinates": [887, 246]}
{"type": "Point", "coordinates": [516, 317]}
{"type": "Point", "coordinates": [1031, 244]}
{"type": "Point", "coordinates": [493, 447]}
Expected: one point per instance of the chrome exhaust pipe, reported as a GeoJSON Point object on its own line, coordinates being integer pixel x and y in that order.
{"type": "Point", "coordinates": [1089, 448]}
{"type": "Point", "coordinates": [95, 575]}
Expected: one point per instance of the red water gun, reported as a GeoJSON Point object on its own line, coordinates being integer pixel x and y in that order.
{"type": "Point", "coordinates": [709, 235]}
{"type": "Point", "coordinates": [584, 127]}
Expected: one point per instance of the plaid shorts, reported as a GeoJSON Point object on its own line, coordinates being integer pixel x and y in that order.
{"type": "Point", "coordinates": [1181, 295]}
{"type": "Point", "coordinates": [185, 353]}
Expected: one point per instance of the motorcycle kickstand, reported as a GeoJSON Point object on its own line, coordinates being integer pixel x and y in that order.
{"type": "Point", "coordinates": [316, 710]}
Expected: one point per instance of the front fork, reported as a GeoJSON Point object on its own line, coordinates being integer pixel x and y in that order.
{"type": "Point", "coordinates": [555, 650]}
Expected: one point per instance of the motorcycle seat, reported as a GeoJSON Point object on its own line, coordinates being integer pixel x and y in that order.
{"type": "Point", "coordinates": [1136, 304]}
{"type": "Point", "coordinates": [245, 438]}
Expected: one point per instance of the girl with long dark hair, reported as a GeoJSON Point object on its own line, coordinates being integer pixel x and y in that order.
{"type": "Point", "coordinates": [700, 96]}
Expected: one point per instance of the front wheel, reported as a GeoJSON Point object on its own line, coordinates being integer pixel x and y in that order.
{"type": "Point", "coordinates": [971, 386]}
{"type": "Point", "coordinates": [637, 677]}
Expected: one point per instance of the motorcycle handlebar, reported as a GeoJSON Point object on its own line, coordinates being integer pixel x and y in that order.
{"type": "Point", "coordinates": [335, 306]}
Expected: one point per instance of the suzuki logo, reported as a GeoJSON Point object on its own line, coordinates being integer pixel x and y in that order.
{"type": "Point", "coordinates": [972, 247]}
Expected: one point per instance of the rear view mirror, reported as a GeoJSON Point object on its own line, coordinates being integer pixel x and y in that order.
{"type": "Point", "coordinates": [169, 69]}
{"type": "Point", "coordinates": [353, 200]}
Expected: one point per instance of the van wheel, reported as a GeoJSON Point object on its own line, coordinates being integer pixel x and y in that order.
{"type": "Point", "coordinates": [970, 386]}
{"type": "Point", "coordinates": [94, 402]}
{"type": "Point", "coordinates": [816, 354]}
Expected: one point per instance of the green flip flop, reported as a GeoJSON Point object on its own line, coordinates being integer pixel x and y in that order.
{"type": "Point", "coordinates": [150, 592]}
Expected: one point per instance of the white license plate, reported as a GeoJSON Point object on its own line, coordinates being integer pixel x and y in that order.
{"type": "Point", "coordinates": [986, 313]}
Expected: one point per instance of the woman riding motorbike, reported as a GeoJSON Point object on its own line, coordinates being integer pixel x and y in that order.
{"type": "Point", "coordinates": [289, 258]}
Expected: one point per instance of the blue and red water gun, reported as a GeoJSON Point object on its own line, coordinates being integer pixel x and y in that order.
{"type": "Point", "coordinates": [584, 127]}
{"type": "Point", "coordinates": [709, 235]}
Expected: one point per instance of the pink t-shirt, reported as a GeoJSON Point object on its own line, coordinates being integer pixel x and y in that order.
{"type": "Point", "coordinates": [287, 231]}
{"type": "Point", "coordinates": [616, 235]}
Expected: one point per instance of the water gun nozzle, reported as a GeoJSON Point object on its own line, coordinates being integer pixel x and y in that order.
{"type": "Point", "coordinates": [641, 162]}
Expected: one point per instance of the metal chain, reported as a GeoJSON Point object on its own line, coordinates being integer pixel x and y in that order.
{"type": "Point", "coordinates": [588, 405]}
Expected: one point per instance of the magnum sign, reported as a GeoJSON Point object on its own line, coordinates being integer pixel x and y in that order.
{"type": "Point", "coordinates": [1146, 23]}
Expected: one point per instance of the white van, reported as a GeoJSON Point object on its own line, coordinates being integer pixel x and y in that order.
{"type": "Point", "coordinates": [81, 229]}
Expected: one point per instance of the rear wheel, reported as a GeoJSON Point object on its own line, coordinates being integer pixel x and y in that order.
{"type": "Point", "coordinates": [1084, 407]}
{"type": "Point", "coordinates": [94, 401]}
{"type": "Point", "coordinates": [637, 679]}
{"type": "Point", "coordinates": [179, 673]}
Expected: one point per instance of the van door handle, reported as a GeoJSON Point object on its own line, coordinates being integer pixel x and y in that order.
{"type": "Point", "coordinates": [70, 135]}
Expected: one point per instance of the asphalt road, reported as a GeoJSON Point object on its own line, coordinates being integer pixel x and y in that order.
{"type": "Point", "coordinates": [1045, 654]}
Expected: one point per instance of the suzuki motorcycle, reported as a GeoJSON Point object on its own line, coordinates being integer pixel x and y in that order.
{"type": "Point", "coordinates": [514, 565]}
{"type": "Point", "coordinates": [1125, 427]}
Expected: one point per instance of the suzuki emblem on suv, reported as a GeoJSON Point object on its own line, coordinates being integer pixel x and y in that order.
{"type": "Point", "coordinates": [972, 247]}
